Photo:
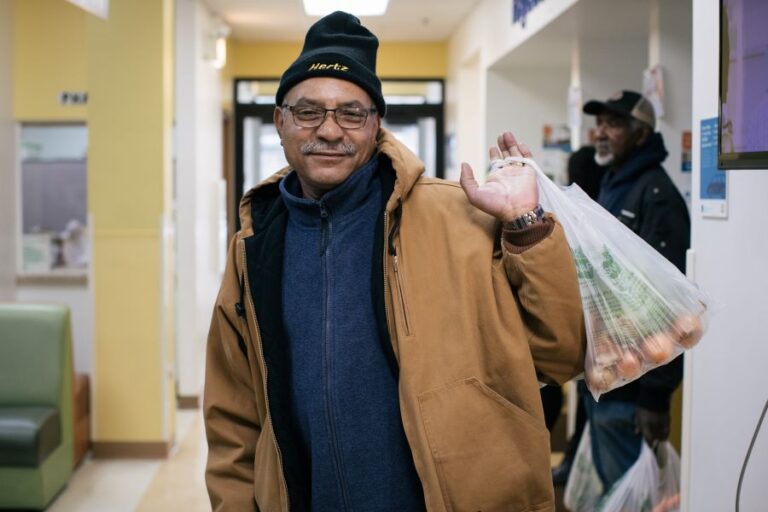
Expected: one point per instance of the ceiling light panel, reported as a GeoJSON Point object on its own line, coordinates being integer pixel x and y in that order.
{"type": "Point", "coordinates": [356, 7]}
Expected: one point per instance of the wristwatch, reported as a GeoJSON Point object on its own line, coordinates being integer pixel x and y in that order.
{"type": "Point", "coordinates": [527, 219]}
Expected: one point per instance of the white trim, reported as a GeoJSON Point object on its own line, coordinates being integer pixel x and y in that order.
{"type": "Point", "coordinates": [164, 429]}
{"type": "Point", "coordinates": [18, 199]}
{"type": "Point", "coordinates": [93, 373]}
{"type": "Point", "coordinates": [572, 408]}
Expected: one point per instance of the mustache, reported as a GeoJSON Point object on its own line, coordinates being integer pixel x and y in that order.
{"type": "Point", "coordinates": [602, 143]}
{"type": "Point", "coordinates": [323, 147]}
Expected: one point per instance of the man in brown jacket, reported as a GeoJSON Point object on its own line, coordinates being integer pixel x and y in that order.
{"type": "Point", "coordinates": [379, 337]}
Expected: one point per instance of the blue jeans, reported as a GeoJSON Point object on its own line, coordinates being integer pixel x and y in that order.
{"type": "Point", "coordinates": [615, 444]}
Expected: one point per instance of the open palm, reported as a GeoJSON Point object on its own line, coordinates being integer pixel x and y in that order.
{"type": "Point", "coordinates": [509, 191]}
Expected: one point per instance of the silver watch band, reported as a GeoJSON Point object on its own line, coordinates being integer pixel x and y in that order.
{"type": "Point", "coordinates": [525, 220]}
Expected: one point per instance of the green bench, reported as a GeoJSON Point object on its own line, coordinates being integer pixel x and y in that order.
{"type": "Point", "coordinates": [36, 443]}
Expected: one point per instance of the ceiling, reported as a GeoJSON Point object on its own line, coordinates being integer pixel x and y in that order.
{"type": "Point", "coordinates": [284, 20]}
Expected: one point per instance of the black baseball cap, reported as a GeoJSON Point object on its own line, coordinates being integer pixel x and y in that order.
{"type": "Point", "coordinates": [625, 103]}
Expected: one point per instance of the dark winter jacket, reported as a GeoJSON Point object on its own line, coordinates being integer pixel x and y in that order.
{"type": "Point", "coordinates": [643, 197]}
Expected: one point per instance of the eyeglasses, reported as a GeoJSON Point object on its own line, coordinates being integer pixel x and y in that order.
{"type": "Point", "coordinates": [350, 118]}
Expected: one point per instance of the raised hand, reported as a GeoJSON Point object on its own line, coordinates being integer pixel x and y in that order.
{"type": "Point", "coordinates": [510, 191]}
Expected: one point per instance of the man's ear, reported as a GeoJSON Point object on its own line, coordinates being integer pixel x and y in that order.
{"type": "Point", "coordinates": [642, 135]}
{"type": "Point", "coordinates": [277, 117]}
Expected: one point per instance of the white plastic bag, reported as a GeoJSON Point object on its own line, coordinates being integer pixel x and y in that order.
{"type": "Point", "coordinates": [640, 311]}
{"type": "Point", "coordinates": [651, 484]}
{"type": "Point", "coordinates": [669, 478]}
{"type": "Point", "coordinates": [584, 488]}
{"type": "Point", "coordinates": [638, 489]}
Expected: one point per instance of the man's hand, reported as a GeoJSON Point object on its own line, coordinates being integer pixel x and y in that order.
{"type": "Point", "coordinates": [509, 191]}
{"type": "Point", "coordinates": [654, 426]}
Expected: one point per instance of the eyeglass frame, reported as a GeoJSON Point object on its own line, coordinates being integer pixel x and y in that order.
{"type": "Point", "coordinates": [368, 111]}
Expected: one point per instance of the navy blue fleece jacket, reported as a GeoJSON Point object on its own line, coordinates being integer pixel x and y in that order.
{"type": "Point", "coordinates": [344, 393]}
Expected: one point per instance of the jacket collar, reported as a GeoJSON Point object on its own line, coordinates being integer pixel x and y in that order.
{"type": "Point", "coordinates": [650, 155]}
{"type": "Point", "coordinates": [345, 200]}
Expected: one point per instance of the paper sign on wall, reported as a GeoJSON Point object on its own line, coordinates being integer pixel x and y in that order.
{"type": "Point", "coordinates": [685, 157]}
{"type": "Point", "coordinates": [653, 89]}
{"type": "Point", "coordinates": [712, 183]}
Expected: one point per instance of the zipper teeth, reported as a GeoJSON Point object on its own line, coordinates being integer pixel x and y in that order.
{"type": "Point", "coordinates": [401, 296]}
{"type": "Point", "coordinates": [264, 377]}
{"type": "Point", "coordinates": [325, 236]}
{"type": "Point", "coordinates": [386, 254]}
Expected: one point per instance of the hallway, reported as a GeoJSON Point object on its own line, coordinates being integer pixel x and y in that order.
{"type": "Point", "coordinates": [121, 485]}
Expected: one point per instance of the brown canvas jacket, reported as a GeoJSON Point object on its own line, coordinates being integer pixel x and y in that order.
{"type": "Point", "coordinates": [474, 328]}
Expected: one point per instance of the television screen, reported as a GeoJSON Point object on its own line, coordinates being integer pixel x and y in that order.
{"type": "Point", "coordinates": [743, 134]}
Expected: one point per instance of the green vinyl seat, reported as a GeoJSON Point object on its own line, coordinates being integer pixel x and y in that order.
{"type": "Point", "coordinates": [36, 440]}
{"type": "Point", "coordinates": [28, 435]}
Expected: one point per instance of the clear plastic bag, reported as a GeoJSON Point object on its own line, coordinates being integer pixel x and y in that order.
{"type": "Point", "coordinates": [669, 478]}
{"type": "Point", "coordinates": [638, 489]}
{"type": "Point", "coordinates": [651, 484]}
{"type": "Point", "coordinates": [584, 488]}
{"type": "Point", "coordinates": [640, 311]}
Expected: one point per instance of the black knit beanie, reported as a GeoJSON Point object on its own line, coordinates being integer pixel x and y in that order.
{"type": "Point", "coordinates": [337, 46]}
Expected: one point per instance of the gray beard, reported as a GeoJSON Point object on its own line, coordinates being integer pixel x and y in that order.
{"type": "Point", "coordinates": [603, 160]}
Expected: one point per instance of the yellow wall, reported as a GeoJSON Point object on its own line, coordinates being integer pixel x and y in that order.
{"type": "Point", "coordinates": [261, 59]}
{"type": "Point", "coordinates": [50, 56]}
{"type": "Point", "coordinates": [412, 60]}
{"type": "Point", "coordinates": [125, 64]}
{"type": "Point", "coordinates": [129, 120]}
{"type": "Point", "coordinates": [270, 59]}
{"type": "Point", "coordinates": [127, 395]}
{"type": "Point", "coordinates": [395, 60]}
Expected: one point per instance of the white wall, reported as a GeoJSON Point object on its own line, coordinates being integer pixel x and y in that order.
{"type": "Point", "coordinates": [468, 107]}
{"type": "Point", "coordinates": [674, 43]}
{"type": "Point", "coordinates": [198, 172]}
{"type": "Point", "coordinates": [7, 159]}
{"type": "Point", "coordinates": [489, 30]}
{"type": "Point", "coordinates": [523, 100]}
{"type": "Point", "coordinates": [608, 65]}
{"type": "Point", "coordinates": [485, 38]}
{"type": "Point", "coordinates": [726, 381]}
{"type": "Point", "coordinates": [78, 298]}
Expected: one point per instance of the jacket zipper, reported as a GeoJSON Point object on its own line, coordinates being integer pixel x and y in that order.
{"type": "Point", "coordinates": [325, 235]}
{"type": "Point", "coordinates": [401, 295]}
{"type": "Point", "coordinates": [386, 277]}
{"type": "Point", "coordinates": [264, 376]}
{"type": "Point", "coordinates": [396, 266]}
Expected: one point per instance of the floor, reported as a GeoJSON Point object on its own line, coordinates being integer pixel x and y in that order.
{"type": "Point", "coordinates": [175, 483]}
{"type": "Point", "coordinates": [120, 485]}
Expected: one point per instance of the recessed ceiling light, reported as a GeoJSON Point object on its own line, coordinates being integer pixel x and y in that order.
{"type": "Point", "coordinates": [356, 7]}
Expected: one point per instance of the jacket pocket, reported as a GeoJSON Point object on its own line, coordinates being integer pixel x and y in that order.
{"type": "Point", "coordinates": [490, 454]}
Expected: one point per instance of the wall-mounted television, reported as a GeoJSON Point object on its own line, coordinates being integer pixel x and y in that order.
{"type": "Point", "coordinates": [743, 132]}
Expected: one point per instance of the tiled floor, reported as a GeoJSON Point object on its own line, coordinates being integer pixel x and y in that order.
{"type": "Point", "coordinates": [175, 483]}
{"type": "Point", "coordinates": [179, 482]}
{"type": "Point", "coordinates": [122, 485]}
